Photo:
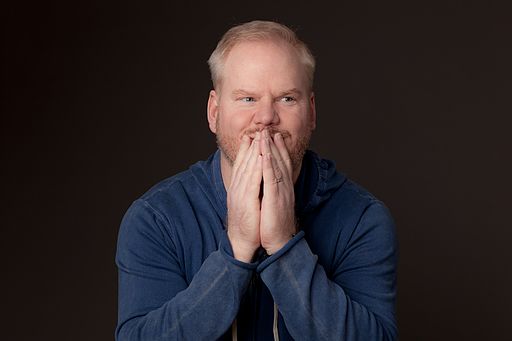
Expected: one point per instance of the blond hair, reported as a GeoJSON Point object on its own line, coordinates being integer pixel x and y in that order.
{"type": "Point", "coordinates": [259, 31]}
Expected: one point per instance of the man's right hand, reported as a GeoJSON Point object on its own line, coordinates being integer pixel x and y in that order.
{"type": "Point", "coordinates": [243, 200]}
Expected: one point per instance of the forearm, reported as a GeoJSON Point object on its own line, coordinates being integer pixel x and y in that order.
{"type": "Point", "coordinates": [203, 311]}
{"type": "Point", "coordinates": [316, 308]}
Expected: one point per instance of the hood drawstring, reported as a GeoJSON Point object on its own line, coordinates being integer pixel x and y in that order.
{"type": "Point", "coordinates": [276, 317]}
{"type": "Point", "coordinates": [234, 331]}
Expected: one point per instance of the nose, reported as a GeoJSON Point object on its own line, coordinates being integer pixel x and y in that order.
{"type": "Point", "coordinates": [266, 114]}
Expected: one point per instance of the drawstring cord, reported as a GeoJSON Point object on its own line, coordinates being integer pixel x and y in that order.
{"type": "Point", "coordinates": [234, 331]}
{"type": "Point", "coordinates": [276, 316]}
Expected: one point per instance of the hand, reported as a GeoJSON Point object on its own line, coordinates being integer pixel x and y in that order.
{"type": "Point", "coordinates": [243, 200]}
{"type": "Point", "coordinates": [277, 224]}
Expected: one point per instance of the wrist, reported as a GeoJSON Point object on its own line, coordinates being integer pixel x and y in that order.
{"type": "Point", "coordinates": [272, 248]}
{"type": "Point", "coordinates": [243, 252]}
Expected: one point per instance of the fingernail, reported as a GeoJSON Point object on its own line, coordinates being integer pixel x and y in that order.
{"type": "Point", "coordinates": [277, 136]}
{"type": "Point", "coordinates": [257, 135]}
{"type": "Point", "coordinates": [265, 133]}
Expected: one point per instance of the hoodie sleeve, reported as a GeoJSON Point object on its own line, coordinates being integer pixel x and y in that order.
{"type": "Point", "coordinates": [155, 301]}
{"type": "Point", "coordinates": [357, 302]}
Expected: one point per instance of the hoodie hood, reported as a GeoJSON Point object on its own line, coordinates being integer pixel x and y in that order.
{"type": "Point", "coordinates": [317, 181]}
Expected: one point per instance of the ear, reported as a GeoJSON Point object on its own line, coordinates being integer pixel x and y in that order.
{"type": "Point", "coordinates": [313, 110]}
{"type": "Point", "coordinates": [213, 111]}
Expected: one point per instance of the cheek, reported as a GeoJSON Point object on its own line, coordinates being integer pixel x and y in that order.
{"type": "Point", "coordinates": [289, 142]}
{"type": "Point", "coordinates": [237, 123]}
{"type": "Point", "coordinates": [227, 120]}
{"type": "Point", "coordinates": [299, 130]}
{"type": "Point", "coordinates": [298, 126]}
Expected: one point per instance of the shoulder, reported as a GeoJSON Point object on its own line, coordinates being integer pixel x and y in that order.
{"type": "Point", "coordinates": [173, 193]}
{"type": "Point", "coordinates": [151, 210]}
{"type": "Point", "coordinates": [168, 186]}
{"type": "Point", "coordinates": [354, 192]}
{"type": "Point", "coordinates": [366, 220]}
{"type": "Point", "coordinates": [361, 209]}
{"type": "Point", "coordinates": [351, 201]}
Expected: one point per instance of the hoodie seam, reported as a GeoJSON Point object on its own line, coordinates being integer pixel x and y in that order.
{"type": "Point", "coordinates": [166, 184]}
{"type": "Point", "coordinates": [219, 205]}
{"type": "Point", "coordinates": [355, 228]}
{"type": "Point", "coordinates": [171, 227]}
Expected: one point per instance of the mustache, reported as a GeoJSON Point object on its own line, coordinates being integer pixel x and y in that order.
{"type": "Point", "coordinates": [272, 131]}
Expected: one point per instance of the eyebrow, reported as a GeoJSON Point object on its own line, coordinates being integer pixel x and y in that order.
{"type": "Point", "coordinates": [293, 91]}
{"type": "Point", "coordinates": [242, 92]}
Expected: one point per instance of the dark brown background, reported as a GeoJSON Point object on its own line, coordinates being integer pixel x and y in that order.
{"type": "Point", "coordinates": [100, 101]}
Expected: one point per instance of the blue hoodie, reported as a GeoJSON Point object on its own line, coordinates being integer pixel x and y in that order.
{"type": "Point", "coordinates": [178, 279]}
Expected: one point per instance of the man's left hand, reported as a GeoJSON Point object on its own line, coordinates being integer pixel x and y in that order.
{"type": "Point", "coordinates": [277, 224]}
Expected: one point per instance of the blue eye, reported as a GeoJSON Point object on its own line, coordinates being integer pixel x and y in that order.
{"type": "Point", "coordinates": [288, 99]}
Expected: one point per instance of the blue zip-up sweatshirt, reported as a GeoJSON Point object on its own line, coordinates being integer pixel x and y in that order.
{"type": "Point", "coordinates": [335, 280]}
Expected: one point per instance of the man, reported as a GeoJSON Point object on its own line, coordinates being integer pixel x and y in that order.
{"type": "Point", "coordinates": [263, 240]}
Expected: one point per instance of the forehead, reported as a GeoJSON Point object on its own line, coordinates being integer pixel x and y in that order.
{"type": "Point", "coordinates": [263, 63]}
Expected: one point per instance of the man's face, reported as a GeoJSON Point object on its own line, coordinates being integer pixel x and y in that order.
{"type": "Point", "coordinates": [263, 86]}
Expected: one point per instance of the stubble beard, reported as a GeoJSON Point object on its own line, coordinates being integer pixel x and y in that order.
{"type": "Point", "coordinates": [229, 145]}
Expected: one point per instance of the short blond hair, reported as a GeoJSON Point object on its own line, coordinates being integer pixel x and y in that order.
{"type": "Point", "coordinates": [259, 31]}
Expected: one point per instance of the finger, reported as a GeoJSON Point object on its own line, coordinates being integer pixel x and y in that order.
{"type": "Point", "coordinates": [283, 151]}
{"type": "Point", "coordinates": [235, 173]}
{"type": "Point", "coordinates": [280, 166]}
{"type": "Point", "coordinates": [280, 170]}
{"type": "Point", "coordinates": [256, 177]}
{"type": "Point", "coordinates": [253, 173]}
{"type": "Point", "coordinates": [265, 144]}
{"type": "Point", "coordinates": [242, 152]}
{"type": "Point", "coordinates": [254, 151]}
{"type": "Point", "coordinates": [269, 172]}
